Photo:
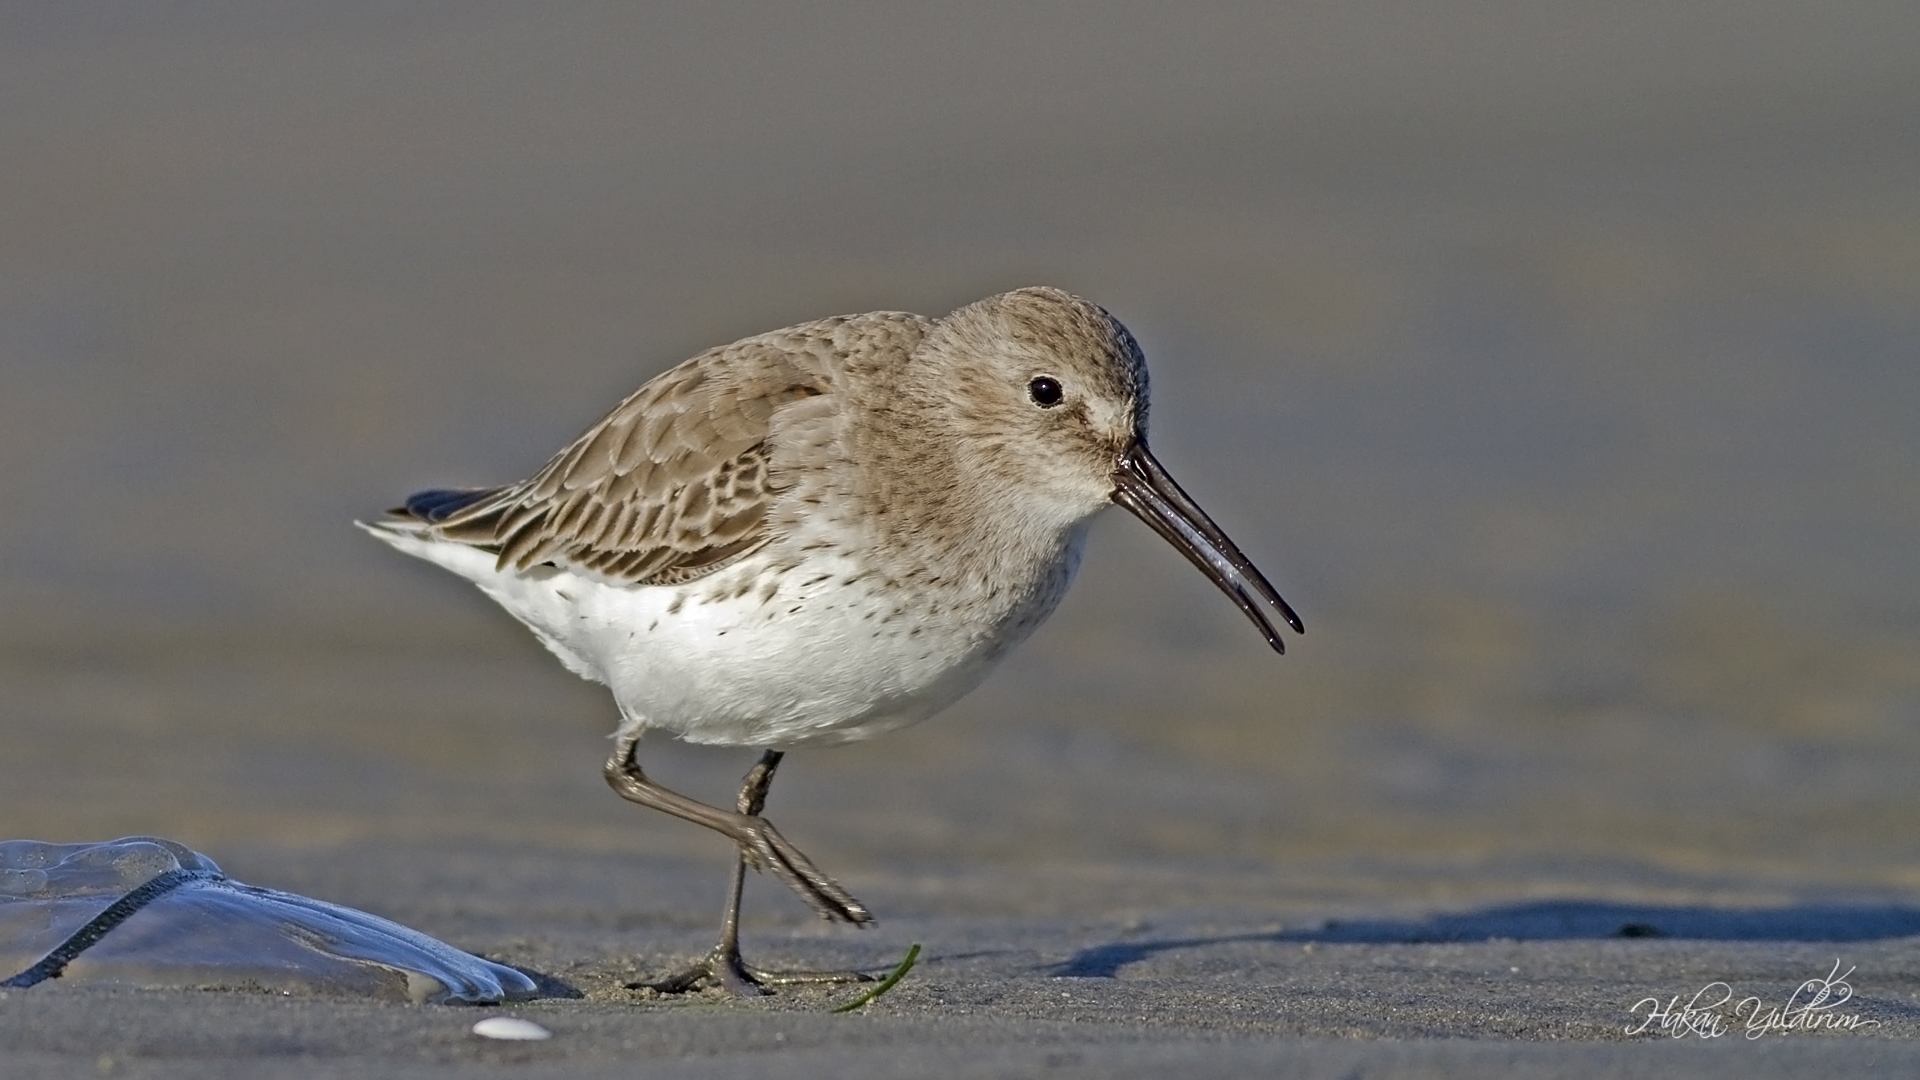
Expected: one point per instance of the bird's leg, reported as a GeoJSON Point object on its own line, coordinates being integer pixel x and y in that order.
{"type": "Point", "coordinates": [724, 964]}
{"type": "Point", "coordinates": [760, 843]}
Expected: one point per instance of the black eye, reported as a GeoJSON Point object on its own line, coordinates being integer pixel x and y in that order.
{"type": "Point", "coordinates": [1045, 391]}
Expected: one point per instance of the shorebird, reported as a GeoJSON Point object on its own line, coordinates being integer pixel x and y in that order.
{"type": "Point", "coordinates": [821, 534]}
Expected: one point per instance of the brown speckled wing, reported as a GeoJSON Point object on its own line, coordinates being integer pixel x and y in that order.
{"type": "Point", "coordinates": [675, 482]}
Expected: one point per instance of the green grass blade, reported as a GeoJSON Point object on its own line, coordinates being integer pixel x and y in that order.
{"type": "Point", "coordinates": [886, 984]}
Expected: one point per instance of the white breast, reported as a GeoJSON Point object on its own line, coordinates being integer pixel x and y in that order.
{"type": "Point", "coordinates": [819, 653]}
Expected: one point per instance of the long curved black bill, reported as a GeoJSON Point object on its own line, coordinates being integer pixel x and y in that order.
{"type": "Point", "coordinates": [1142, 486]}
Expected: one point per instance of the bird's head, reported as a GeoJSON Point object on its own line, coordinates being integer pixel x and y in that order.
{"type": "Point", "coordinates": [1048, 397]}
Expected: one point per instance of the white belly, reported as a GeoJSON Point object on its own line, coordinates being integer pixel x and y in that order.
{"type": "Point", "coordinates": [810, 663]}
{"type": "Point", "coordinates": [739, 659]}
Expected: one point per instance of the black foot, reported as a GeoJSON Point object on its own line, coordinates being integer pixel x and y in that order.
{"type": "Point", "coordinates": [724, 967]}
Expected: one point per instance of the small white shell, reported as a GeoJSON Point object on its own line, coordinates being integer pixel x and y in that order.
{"type": "Point", "coordinates": [512, 1028]}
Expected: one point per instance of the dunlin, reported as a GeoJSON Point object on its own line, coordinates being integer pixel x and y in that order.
{"type": "Point", "coordinates": [820, 534]}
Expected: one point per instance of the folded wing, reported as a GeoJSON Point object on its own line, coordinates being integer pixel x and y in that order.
{"type": "Point", "coordinates": [671, 485]}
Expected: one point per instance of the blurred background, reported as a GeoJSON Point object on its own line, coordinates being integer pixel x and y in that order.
{"type": "Point", "coordinates": [1559, 361]}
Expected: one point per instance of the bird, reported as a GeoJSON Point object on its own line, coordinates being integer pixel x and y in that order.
{"type": "Point", "coordinates": [822, 534]}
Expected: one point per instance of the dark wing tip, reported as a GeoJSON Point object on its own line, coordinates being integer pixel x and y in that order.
{"type": "Point", "coordinates": [438, 505]}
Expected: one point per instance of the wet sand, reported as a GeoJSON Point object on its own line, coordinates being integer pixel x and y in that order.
{"type": "Point", "coordinates": [1559, 370]}
{"type": "Point", "coordinates": [992, 1002]}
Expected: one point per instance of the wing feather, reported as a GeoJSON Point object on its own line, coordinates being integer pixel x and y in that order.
{"type": "Point", "coordinates": [675, 482]}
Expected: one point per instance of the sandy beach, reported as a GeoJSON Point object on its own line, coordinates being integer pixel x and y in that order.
{"type": "Point", "coordinates": [1558, 366]}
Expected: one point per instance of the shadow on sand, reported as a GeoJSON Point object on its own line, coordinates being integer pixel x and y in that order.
{"type": "Point", "coordinates": [1549, 920]}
